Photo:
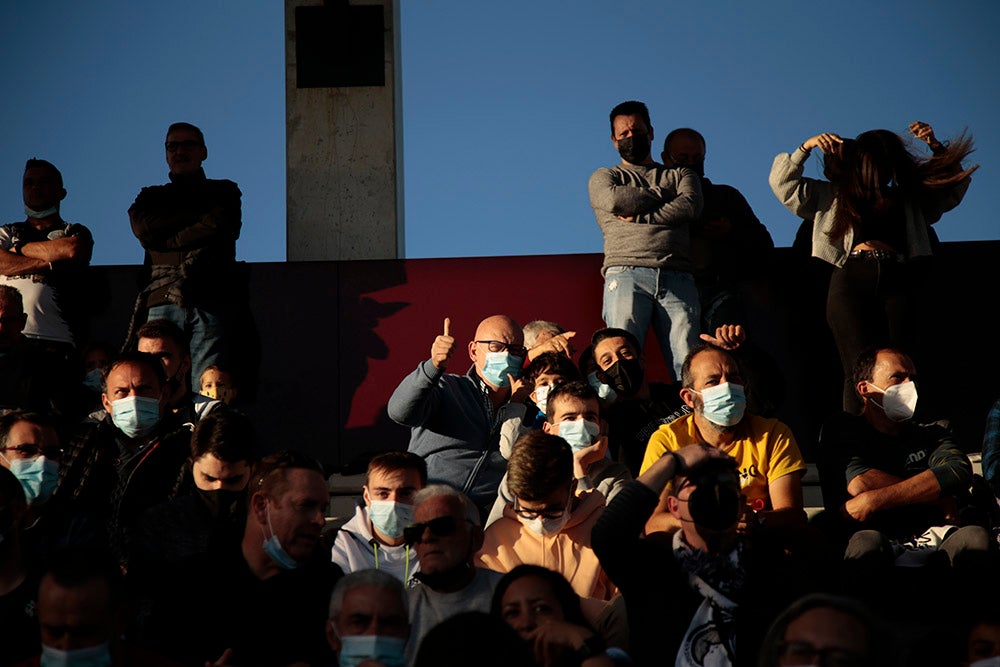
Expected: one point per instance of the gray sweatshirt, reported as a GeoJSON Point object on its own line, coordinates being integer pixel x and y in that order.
{"type": "Point", "coordinates": [663, 202]}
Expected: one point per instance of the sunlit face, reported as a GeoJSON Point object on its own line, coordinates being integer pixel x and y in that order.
{"type": "Point", "coordinates": [213, 474]}
{"type": "Point", "coordinates": [187, 152]}
{"type": "Point", "coordinates": [710, 368]}
{"type": "Point", "coordinates": [892, 368]}
{"type": "Point", "coordinates": [396, 485]}
{"type": "Point", "coordinates": [493, 328]}
{"type": "Point", "coordinates": [75, 617]}
{"type": "Point", "coordinates": [611, 350]}
{"type": "Point", "coordinates": [546, 379]}
{"type": "Point", "coordinates": [218, 384]}
{"type": "Point", "coordinates": [444, 553]}
{"type": "Point", "coordinates": [570, 408]}
{"type": "Point", "coordinates": [297, 516]}
{"type": "Point", "coordinates": [41, 189]}
{"type": "Point", "coordinates": [130, 379]}
{"type": "Point", "coordinates": [528, 603]}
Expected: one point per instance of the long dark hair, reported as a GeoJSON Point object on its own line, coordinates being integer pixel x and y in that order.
{"type": "Point", "coordinates": [877, 170]}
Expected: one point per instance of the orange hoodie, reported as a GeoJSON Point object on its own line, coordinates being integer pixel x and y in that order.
{"type": "Point", "coordinates": [508, 543]}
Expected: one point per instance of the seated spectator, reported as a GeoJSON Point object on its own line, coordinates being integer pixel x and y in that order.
{"type": "Point", "coordinates": [446, 536]}
{"type": "Point", "coordinates": [545, 611]}
{"type": "Point", "coordinates": [30, 447]}
{"type": "Point", "coordinates": [709, 588]}
{"type": "Point", "coordinates": [220, 384]}
{"type": "Point", "coordinates": [833, 629]}
{"type": "Point", "coordinates": [368, 621]}
{"type": "Point", "coordinates": [373, 538]}
{"type": "Point", "coordinates": [270, 594]}
{"type": "Point", "coordinates": [982, 640]}
{"type": "Point", "coordinates": [541, 376]}
{"type": "Point", "coordinates": [208, 512]}
{"type": "Point", "coordinates": [454, 419]}
{"type": "Point", "coordinates": [31, 378]}
{"type": "Point", "coordinates": [473, 635]}
{"type": "Point", "coordinates": [910, 547]}
{"type": "Point", "coordinates": [167, 342]}
{"type": "Point", "coordinates": [588, 369]}
{"type": "Point", "coordinates": [641, 406]}
{"type": "Point", "coordinates": [576, 418]}
{"type": "Point", "coordinates": [18, 583]}
{"type": "Point", "coordinates": [81, 612]}
{"type": "Point", "coordinates": [767, 456]}
{"type": "Point", "coordinates": [546, 523]}
{"type": "Point", "coordinates": [117, 467]}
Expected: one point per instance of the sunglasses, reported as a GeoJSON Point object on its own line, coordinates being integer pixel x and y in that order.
{"type": "Point", "coordinates": [443, 526]}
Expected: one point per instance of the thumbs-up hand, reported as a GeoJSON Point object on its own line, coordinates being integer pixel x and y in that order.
{"type": "Point", "coordinates": [443, 347]}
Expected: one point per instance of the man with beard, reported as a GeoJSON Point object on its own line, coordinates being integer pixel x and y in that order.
{"type": "Point", "coordinates": [769, 463]}
{"type": "Point", "coordinates": [645, 210]}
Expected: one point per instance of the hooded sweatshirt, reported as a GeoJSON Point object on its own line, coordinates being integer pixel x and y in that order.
{"type": "Point", "coordinates": [508, 543]}
{"type": "Point", "coordinates": [355, 548]}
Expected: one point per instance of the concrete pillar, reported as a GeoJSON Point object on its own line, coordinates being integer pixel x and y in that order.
{"type": "Point", "coordinates": [344, 149]}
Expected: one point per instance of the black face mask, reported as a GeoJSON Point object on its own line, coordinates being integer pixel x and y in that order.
{"type": "Point", "coordinates": [714, 504]}
{"type": "Point", "coordinates": [624, 376]}
{"type": "Point", "coordinates": [634, 149]}
{"type": "Point", "coordinates": [223, 504]}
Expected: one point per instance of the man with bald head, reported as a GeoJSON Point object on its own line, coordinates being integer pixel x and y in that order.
{"type": "Point", "coordinates": [454, 419]}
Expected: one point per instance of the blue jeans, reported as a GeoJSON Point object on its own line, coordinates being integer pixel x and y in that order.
{"type": "Point", "coordinates": [634, 296]}
{"type": "Point", "coordinates": [205, 331]}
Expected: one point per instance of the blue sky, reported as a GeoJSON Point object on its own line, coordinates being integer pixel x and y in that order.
{"type": "Point", "coordinates": [504, 104]}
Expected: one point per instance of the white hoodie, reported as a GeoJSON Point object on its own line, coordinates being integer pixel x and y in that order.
{"type": "Point", "coordinates": [355, 548]}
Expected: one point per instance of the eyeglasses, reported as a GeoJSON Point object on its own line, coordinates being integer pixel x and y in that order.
{"type": "Point", "coordinates": [443, 526]}
{"type": "Point", "coordinates": [31, 451]}
{"type": "Point", "coordinates": [803, 653]}
{"type": "Point", "coordinates": [500, 346]}
{"type": "Point", "coordinates": [550, 513]}
{"type": "Point", "coordinates": [175, 145]}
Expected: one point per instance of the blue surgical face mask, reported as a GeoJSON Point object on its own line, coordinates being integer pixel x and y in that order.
{"type": "Point", "coordinates": [31, 213]}
{"type": "Point", "coordinates": [92, 380]}
{"type": "Point", "coordinates": [357, 648]}
{"type": "Point", "coordinates": [604, 391]}
{"type": "Point", "coordinates": [135, 416]}
{"type": "Point", "coordinates": [273, 548]}
{"type": "Point", "coordinates": [92, 656]}
{"type": "Point", "coordinates": [38, 477]}
{"type": "Point", "coordinates": [579, 433]}
{"type": "Point", "coordinates": [390, 517]}
{"type": "Point", "coordinates": [499, 365]}
{"type": "Point", "coordinates": [724, 404]}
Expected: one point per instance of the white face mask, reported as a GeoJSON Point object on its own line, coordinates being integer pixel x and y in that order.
{"type": "Point", "coordinates": [542, 397]}
{"type": "Point", "coordinates": [546, 527]}
{"type": "Point", "coordinates": [898, 401]}
{"type": "Point", "coordinates": [579, 433]}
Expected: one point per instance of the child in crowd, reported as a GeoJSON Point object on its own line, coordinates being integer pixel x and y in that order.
{"type": "Point", "coordinates": [219, 383]}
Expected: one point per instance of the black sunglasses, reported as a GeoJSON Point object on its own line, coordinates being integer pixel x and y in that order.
{"type": "Point", "coordinates": [443, 526]}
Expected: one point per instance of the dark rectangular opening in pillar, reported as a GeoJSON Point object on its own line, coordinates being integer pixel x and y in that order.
{"type": "Point", "coordinates": [339, 45]}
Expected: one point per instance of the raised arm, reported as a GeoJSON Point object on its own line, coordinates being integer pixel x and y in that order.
{"type": "Point", "coordinates": [802, 196]}
{"type": "Point", "coordinates": [415, 397]}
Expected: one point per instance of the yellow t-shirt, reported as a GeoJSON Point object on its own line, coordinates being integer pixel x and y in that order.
{"type": "Point", "coordinates": [764, 449]}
